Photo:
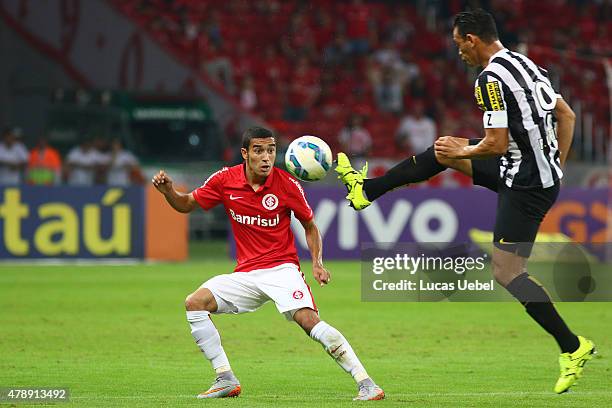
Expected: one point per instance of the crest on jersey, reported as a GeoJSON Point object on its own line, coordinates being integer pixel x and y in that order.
{"type": "Point", "coordinates": [298, 294]}
{"type": "Point", "coordinates": [269, 202]}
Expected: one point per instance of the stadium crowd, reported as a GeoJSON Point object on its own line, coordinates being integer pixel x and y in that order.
{"type": "Point", "coordinates": [382, 75]}
{"type": "Point", "coordinates": [94, 161]}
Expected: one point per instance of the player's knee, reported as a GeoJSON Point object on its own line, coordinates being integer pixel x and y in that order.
{"type": "Point", "coordinates": [502, 273]}
{"type": "Point", "coordinates": [202, 299]}
{"type": "Point", "coordinates": [306, 318]}
{"type": "Point", "coordinates": [193, 303]}
{"type": "Point", "coordinates": [444, 161]}
{"type": "Point", "coordinates": [507, 266]}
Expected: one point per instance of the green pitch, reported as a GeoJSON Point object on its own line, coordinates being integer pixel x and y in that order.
{"type": "Point", "coordinates": [117, 336]}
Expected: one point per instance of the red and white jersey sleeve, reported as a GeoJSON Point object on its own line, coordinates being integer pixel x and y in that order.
{"type": "Point", "coordinates": [296, 199]}
{"type": "Point", "coordinates": [211, 192]}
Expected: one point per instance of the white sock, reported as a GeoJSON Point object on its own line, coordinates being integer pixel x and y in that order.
{"type": "Point", "coordinates": [208, 340]}
{"type": "Point", "coordinates": [339, 348]}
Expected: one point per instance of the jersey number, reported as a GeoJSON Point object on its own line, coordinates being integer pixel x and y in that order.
{"type": "Point", "coordinates": [547, 99]}
{"type": "Point", "coordinates": [489, 119]}
{"type": "Point", "coordinates": [545, 95]}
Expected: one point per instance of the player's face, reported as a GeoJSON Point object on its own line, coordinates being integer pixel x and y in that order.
{"type": "Point", "coordinates": [467, 48]}
{"type": "Point", "coordinates": [261, 156]}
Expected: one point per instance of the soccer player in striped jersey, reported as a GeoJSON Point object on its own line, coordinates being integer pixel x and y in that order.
{"type": "Point", "coordinates": [520, 158]}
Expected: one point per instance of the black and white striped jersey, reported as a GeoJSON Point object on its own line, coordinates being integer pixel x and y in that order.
{"type": "Point", "coordinates": [515, 93]}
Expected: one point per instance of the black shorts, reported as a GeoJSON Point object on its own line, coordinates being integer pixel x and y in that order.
{"type": "Point", "coordinates": [519, 215]}
{"type": "Point", "coordinates": [519, 212]}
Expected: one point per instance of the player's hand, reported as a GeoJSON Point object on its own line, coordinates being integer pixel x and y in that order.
{"type": "Point", "coordinates": [451, 147]}
{"type": "Point", "coordinates": [162, 182]}
{"type": "Point", "coordinates": [321, 275]}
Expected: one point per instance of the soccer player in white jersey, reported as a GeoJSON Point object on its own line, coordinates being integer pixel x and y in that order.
{"type": "Point", "coordinates": [259, 200]}
{"type": "Point", "coordinates": [520, 158]}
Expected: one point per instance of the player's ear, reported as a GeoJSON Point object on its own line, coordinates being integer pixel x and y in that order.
{"type": "Point", "coordinates": [244, 153]}
{"type": "Point", "coordinates": [472, 39]}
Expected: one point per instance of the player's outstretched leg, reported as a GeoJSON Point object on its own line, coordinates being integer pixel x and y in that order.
{"type": "Point", "coordinates": [353, 181]}
{"type": "Point", "coordinates": [362, 191]}
{"type": "Point", "coordinates": [341, 351]}
{"type": "Point", "coordinates": [208, 340]}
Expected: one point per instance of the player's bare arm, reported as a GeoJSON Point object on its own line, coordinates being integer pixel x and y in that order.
{"type": "Point", "coordinates": [566, 119]}
{"type": "Point", "coordinates": [315, 245]}
{"type": "Point", "coordinates": [181, 202]}
{"type": "Point", "coordinates": [495, 143]}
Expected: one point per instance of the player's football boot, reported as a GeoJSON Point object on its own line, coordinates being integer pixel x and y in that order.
{"type": "Point", "coordinates": [368, 391]}
{"type": "Point", "coordinates": [572, 364]}
{"type": "Point", "coordinates": [222, 388]}
{"type": "Point", "coordinates": [353, 181]}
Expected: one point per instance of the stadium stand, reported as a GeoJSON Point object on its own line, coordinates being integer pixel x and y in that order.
{"type": "Point", "coordinates": [313, 63]}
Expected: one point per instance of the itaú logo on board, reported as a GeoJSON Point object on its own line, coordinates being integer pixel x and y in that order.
{"type": "Point", "coordinates": [68, 226]}
{"type": "Point", "coordinates": [255, 219]}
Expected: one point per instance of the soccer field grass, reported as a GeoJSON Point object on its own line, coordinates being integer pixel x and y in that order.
{"type": "Point", "coordinates": [117, 336]}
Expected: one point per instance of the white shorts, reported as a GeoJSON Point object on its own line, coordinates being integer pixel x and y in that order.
{"type": "Point", "coordinates": [242, 292]}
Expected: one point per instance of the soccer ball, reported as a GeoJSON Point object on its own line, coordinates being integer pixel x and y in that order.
{"type": "Point", "coordinates": [308, 158]}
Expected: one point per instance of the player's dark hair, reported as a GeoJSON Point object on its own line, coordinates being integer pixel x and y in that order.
{"type": "Point", "coordinates": [477, 22]}
{"type": "Point", "coordinates": [255, 132]}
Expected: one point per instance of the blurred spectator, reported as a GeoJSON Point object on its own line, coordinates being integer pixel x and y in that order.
{"type": "Point", "coordinates": [303, 91]}
{"type": "Point", "coordinates": [354, 139]}
{"type": "Point", "coordinates": [407, 67]}
{"type": "Point", "coordinates": [602, 46]}
{"type": "Point", "coordinates": [212, 27]}
{"type": "Point", "coordinates": [273, 67]}
{"type": "Point", "coordinates": [301, 37]}
{"type": "Point", "coordinates": [191, 29]}
{"type": "Point", "coordinates": [242, 63]}
{"type": "Point", "coordinates": [418, 88]}
{"type": "Point", "coordinates": [218, 67]}
{"type": "Point", "coordinates": [102, 149]}
{"type": "Point", "coordinates": [82, 164]}
{"type": "Point", "coordinates": [358, 26]}
{"type": "Point", "coordinates": [337, 52]}
{"type": "Point", "coordinates": [45, 165]}
{"type": "Point", "coordinates": [327, 101]}
{"type": "Point", "coordinates": [387, 55]}
{"type": "Point", "coordinates": [416, 132]}
{"type": "Point", "coordinates": [399, 28]}
{"type": "Point", "coordinates": [324, 29]}
{"type": "Point", "coordinates": [13, 157]}
{"type": "Point", "coordinates": [123, 168]}
{"type": "Point", "coordinates": [248, 98]}
{"type": "Point", "coordinates": [389, 91]}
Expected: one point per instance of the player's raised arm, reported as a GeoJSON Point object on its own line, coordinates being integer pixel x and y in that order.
{"type": "Point", "coordinates": [181, 202]}
{"type": "Point", "coordinates": [315, 245]}
{"type": "Point", "coordinates": [495, 143]}
{"type": "Point", "coordinates": [566, 119]}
